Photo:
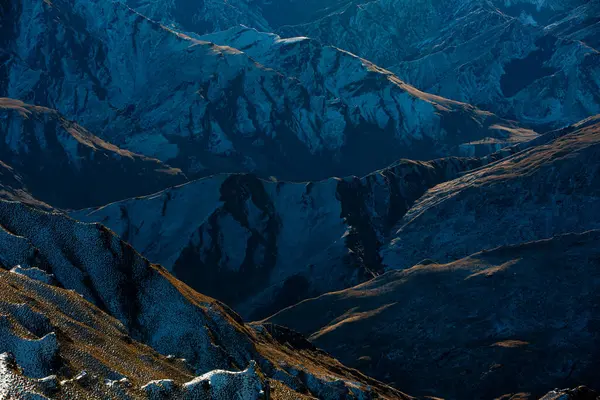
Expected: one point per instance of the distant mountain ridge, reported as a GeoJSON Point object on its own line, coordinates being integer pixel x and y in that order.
{"type": "Point", "coordinates": [473, 51]}
{"type": "Point", "coordinates": [222, 111]}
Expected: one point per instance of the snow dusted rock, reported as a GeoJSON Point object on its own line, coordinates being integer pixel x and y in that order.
{"type": "Point", "coordinates": [222, 385]}
{"type": "Point", "coordinates": [261, 245]}
{"type": "Point", "coordinates": [159, 389]}
{"type": "Point", "coordinates": [13, 385]}
{"type": "Point", "coordinates": [34, 273]}
{"type": "Point", "coordinates": [89, 259]}
{"type": "Point", "coordinates": [137, 302]}
{"type": "Point", "coordinates": [35, 356]}
{"type": "Point", "coordinates": [111, 69]}
{"type": "Point", "coordinates": [479, 54]}
{"type": "Point", "coordinates": [61, 163]}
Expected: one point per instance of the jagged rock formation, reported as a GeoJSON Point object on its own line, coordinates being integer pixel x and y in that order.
{"type": "Point", "coordinates": [469, 50]}
{"type": "Point", "coordinates": [138, 304]}
{"type": "Point", "coordinates": [46, 157]}
{"type": "Point", "coordinates": [579, 393]}
{"type": "Point", "coordinates": [513, 321]}
{"type": "Point", "coordinates": [541, 192]}
{"type": "Point", "coordinates": [480, 53]}
{"type": "Point", "coordinates": [221, 111]}
{"type": "Point", "coordinates": [260, 245]}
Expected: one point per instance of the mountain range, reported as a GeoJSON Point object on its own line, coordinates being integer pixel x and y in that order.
{"type": "Point", "coordinates": [290, 200]}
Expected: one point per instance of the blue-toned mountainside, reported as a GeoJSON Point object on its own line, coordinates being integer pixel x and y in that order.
{"type": "Point", "coordinates": [401, 194]}
{"type": "Point", "coordinates": [535, 61]}
{"type": "Point", "coordinates": [207, 109]}
{"type": "Point", "coordinates": [513, 60]}
{"type": "Point", "coordinates": [260, 245]}
{"type": "Point", "coordinates": [80, 309]}
{"type": "Point", "coordinates": [541, 192]}
{"type": "Point", "coordinates": [47, 157]}
{"type": "Point", "coordinates": [505, 323]}
{"type": "Point", "coordinates": [517, 214]}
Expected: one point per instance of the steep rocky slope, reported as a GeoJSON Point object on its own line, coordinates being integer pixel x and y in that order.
{"type": "Point", "coordinates": [259, 245]}
{"type": "Point", "coordinates": [138, 302]}
{"type": "Point", "coordinates": [540, 192]}
{"type": "Point", "coordinates": [506, 323]}
{"type": "Point", "coordinates": [500, 57]}
{"type": "Point", "coordinates": [207, 108]}
{"type": "Point", "coordinates": [46, 157]}
{"type": "Point", "coordinates": [13, 188]}
{"type": "Point", "coordinates": [536, 61]}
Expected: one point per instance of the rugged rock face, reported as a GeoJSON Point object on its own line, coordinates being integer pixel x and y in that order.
{"type": "Point", "coordinates": [508, 322]}
{"type": "Point", "coordinates": [56, 329]}
{"type": "Point", "coordinates": [479, 54]}
{"type": "Point", "coordinates": [260, 245]}
{"type": "Point", "coordinates": [538, 193]}
{"type": "Point", "coordinates": [221, 111]}
{"type": "Point", "coordinates": [469, 50]}
{"type": "Point", "coordinates": [579, 393]}
{"type": "Point", "coordinates": [46, 157]}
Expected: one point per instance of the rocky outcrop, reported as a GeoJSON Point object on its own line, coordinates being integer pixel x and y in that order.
{"type": "Point", "coordinates": [222, 111]}
{"type": "Point", "coordinates": [46, 157]}
{"type": "Point", "coordinates": [513, 321]}
{"type": "Point", "coordinates": [215, 385]}
{"type": "Point", "coordinates": [579, 393]}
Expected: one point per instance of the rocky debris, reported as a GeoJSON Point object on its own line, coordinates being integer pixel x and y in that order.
{"type": "Point", "coordinates": [579, 393]}
{"type": "Point", "coordinates": [534, 326]}
{"type": "Point", "coordinates": [50, 156]}
{"type": "Point", "coordinates": [540, 192]}
{"type": "Point", "coordinates": [35, 356]}
{"type": "Point", "coordinates": [34, 273]}
{"type": "Point", "coordinates": [13, 385]}
{"type": "Point", "coordinates": [261, 246]}
{"type": "Point", "coordinates": [223, 111]}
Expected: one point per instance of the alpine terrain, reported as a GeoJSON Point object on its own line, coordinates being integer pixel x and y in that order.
{"type": "Point", "coordinates": [296, 200]}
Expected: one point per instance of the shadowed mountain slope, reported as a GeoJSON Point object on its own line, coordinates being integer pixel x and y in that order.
{"type": "Point", "coordinates": [516, 319]}
{"type": "Point", "coordinates": [260, 245]}
{"type": "Point", "coordinates": [57, 161]}
{"type": "Point", "coordinates": [538, 193]}
{"type": "Point", "coordinates": [155, 309]}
